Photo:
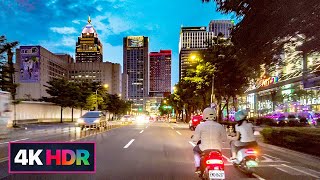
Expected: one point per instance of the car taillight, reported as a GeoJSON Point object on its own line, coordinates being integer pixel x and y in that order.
{"type": "Point", "coordinates": [195, 119]}
{"type": "Point", "coordinates": [214, 161]}
{"type": "Point", "coordinates": [251, 151]}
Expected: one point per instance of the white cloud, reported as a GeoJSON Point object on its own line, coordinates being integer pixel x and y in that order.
{"type": "Point", "coordinates": [76, 21]}
{"type": "Point", "coordinates": [99, 8]}
{"type": "Point", "coordinates": [69, 41]}
{"type": "Point", "coordinates": [63, 30]}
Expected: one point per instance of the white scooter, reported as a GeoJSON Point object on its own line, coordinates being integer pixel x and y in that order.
{"type": "Point", "coordinates": [247, 160]}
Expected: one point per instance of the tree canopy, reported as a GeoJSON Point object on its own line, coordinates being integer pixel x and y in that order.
{"type": "Point", "coordinates": [266, 25]}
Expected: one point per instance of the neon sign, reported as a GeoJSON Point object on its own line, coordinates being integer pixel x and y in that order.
{"type": "Point", "coordinates": [268, 81]}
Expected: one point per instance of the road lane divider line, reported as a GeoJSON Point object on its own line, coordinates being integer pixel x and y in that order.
{"type": "Point", "coordinates": [257, 176]}
{"type": "Point", "coordinates": [172, 128]}
{"type": "Point", "coordinates": [4, 159]}
{"type": "Point", "coordinates": [14, 141]}
{"type": "Point", "coordinates": [178, 132]}
{"type": "Point", "coordinates": [315, 176]}
{"type": "Point", "coordinates": [192, 143]}
{"type": "Point", "coordinates": [279, 168]}
{"type": "Point", "coordinates": [226, 158]}
{"type": "Point", "coordinates": [129, 143]}
{"type": "Point", "coordinates": [141, 131]}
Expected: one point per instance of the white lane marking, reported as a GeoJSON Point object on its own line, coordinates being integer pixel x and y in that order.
{"type": "Point", "coordinates": [192, 143]}
{"type": "Point", "coordinates": [301, 171]}
{"type": "Point", "coordinates": [3, 159]}
{"type": "Point", "coordinates": [172, 128]}
{"type": "Point", "coordinates": [257, 176]}
{"type": "Point", "coordinates": [271, 156]}
{"type": "Point", "coordinates": [14, 141]}
{"type": "Point", "coordinates": [141, 131]}
{"type": "Point", "coordinates": [266, 159]}
{"type": "Point", "coordinates": [226, 158]}
{"type": "Point", "coordinates": [178, 132]}
{"type": "Point", "coordinates": [129, 143]}
{"type": "Point", "coordinates": [282, 170]}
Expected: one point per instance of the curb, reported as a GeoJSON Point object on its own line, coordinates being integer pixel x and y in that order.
{"type": "Point", "coordinates": [311, 159]}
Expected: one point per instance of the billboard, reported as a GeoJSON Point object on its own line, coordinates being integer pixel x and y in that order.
{"type": "Point", "coordinates": [135, 41]}
{"type": "Point", "coordinates": [29, 64]}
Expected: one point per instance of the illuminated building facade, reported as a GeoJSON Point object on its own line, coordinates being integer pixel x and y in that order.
{"type": "Point", "coordinates": [293, 87]}
{"type": "Point", "coordinates": [88, 46]}
{"type": "Point", "coordinates": [136, 71]}
{"type": "Point", "coordinates": [192, 40]}
{"type": "Point", "coordinates": [221, 26]}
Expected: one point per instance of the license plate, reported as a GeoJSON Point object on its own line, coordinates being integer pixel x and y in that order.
{"type": "Point", "coordinates": [216, 174]}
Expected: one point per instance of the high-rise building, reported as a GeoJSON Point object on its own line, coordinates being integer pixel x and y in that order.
{"type": "Point", "coordinates": [160, 72]}
{"type": "Point", "coordinates": [160, 79]}
{"type": "Point", "coordinates": [136, 70]}
{"type": "Point", "coordinates": [37, 66]}
{"type": "Point", "coordinates": [103, 72]}
{"type": "Point", "coordinates": [223, 26]}
{"type": "Point", "coordinates": [192, 40]}
{"type": "Point", "coordinates": [89, 47]}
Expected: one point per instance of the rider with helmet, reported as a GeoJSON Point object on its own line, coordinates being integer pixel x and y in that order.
{"type": "Point", "coordinates": [211, 134]}
{"type": "Point", "coordinates": [245, 133]}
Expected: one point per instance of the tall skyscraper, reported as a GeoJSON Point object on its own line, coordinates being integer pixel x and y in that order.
{"type": "Point", "coordinates": [223, 26]}
{"type": "Point", "coordinates": [89, 47]}
{"type": "Point", "coordinates": [160, 73]}
{"type": "Point", "coordinates": [136, 70]}
{"type": "Point", "coordinates": [192, 40]}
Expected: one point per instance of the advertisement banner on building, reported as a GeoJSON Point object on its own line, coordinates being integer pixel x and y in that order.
{"type": "Point", "coordinates": [135, 41]}
{"type": "Point", "coordinates": [29, 64]}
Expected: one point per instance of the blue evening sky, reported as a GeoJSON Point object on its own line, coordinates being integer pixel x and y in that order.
{"type": "Point", "coordinates": [56, 24]}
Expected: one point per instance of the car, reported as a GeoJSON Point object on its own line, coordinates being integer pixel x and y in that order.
{"type": "Point", "coordinates": [127, 119]}
{"type": "Point", "coordinates": [172, 120]}
{"type": "Point", "coordinates": [307, 118]}
{"type": "Point", "coordinates": [195, 121]}
{"type": "Point", "coordinates": [288, 118]}
{"type": "Point", "coordinates": [92, 119]}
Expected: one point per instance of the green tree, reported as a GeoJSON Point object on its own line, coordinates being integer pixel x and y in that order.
{"type": "Point", "coordinates": [265, 26]}
{"type": "Point", "coordinates": [7, 71]}
{"type": "Point", "coordinates": [60, 91]}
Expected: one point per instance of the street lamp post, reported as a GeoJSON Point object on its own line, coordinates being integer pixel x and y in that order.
{"type": "Point", "coordinates": [104, 86]}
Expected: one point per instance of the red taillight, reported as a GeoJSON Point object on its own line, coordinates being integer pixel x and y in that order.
{"type": "Point", "coordinates": [214, 161]}
{"type": "Point", "coordinates": [251, 151]}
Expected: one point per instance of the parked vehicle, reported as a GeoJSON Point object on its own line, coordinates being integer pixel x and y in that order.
{"type": "Point", "coordinates": [127, 119]}
{"type": "Point", "coordinates": [172, 120]}
{"type": "Point", "coordinates": [195, 121]}
{"type": "Point", "coordinates": [5, 110]}
{"type": "Point", "coordinates": [92, 119]}
{"type": "Point", "coordinates": [307, 118]}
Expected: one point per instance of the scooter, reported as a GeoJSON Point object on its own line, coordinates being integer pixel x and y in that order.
{"type": "Point", "coordinates": [247, 160]}
{"type": "Point", "coordinates": [211, 166]}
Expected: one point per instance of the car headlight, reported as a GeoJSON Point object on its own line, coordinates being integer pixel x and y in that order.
{"type": "Point", "coordinates": [80, 120]}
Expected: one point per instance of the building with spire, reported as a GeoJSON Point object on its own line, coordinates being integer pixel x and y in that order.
{"type": "Point", "coordinates": [88, 46]}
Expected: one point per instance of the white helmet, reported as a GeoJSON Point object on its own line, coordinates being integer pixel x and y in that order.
{"type": "Point", "coordinates": [209, 114]}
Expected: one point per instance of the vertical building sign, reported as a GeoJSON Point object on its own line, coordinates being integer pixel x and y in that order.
{"type": "Point", "coordinates": [29, 64]}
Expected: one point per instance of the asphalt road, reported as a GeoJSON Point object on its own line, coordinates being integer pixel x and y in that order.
{"type": "Point", "coordinates": [150, 152]}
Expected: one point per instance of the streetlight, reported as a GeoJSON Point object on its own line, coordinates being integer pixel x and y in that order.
{"type": "Point", "coordinates": [104, 86]}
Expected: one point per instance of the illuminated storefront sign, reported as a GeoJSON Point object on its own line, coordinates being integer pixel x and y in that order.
{"type": "Point", "coordinates": [268, 81]}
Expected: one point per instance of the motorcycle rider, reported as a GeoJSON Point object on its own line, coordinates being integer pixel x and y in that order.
{"type": "Point", "coordinates": [245, 133]}
{"type": "Point", "coordinates": [211, 134]}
